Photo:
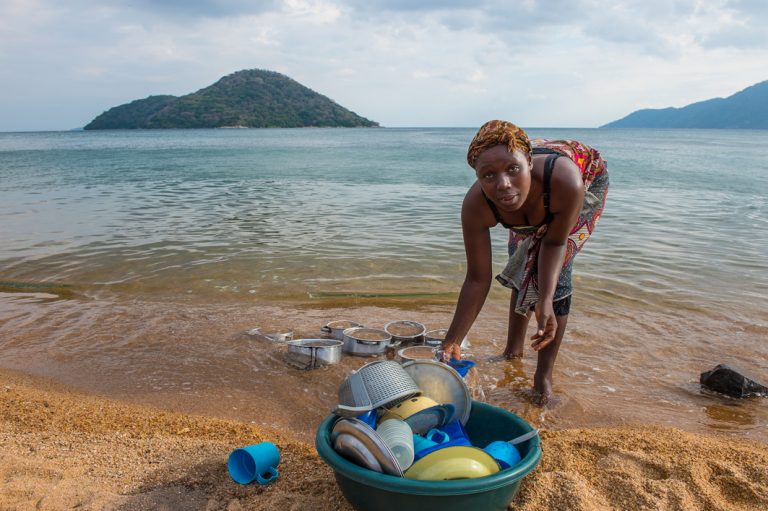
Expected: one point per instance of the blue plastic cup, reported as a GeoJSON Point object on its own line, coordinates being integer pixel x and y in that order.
{"type": "Point", "coordinates": [369, 418]}
{"type": "Point", "coordinates": [420, 443]}
{"type": "Point", "coordinates": [505, 453]}
{"type": "Point", "coordinates": [437, 436]}
{"type": "Point", "coordinates": [256, 462]}
{"type": "Point", "coordinates": [462, 366]}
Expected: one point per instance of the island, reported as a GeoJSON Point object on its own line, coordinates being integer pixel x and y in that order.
{"type": "Point", "coordinates": [251, 98]}
{"type": "Point", "coordinates": [747, 109]}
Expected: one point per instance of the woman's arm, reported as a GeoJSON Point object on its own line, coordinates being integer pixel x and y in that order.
{"type": "Point", "coordinates": [477, 281]}
{"type": "Point", "coordinates": [566, 198]}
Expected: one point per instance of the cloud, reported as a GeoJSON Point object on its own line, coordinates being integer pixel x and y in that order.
{"type": "Point", "coordinates": [185, 9]}
{"type": "Point", "coordinates": [576, 63]}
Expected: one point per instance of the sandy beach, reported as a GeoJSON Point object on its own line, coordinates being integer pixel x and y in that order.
{"type": "Point", "coordinates": [67, 450]}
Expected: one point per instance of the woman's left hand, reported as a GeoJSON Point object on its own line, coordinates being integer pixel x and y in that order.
{"type": "Point", "coordinates": [547, 325]}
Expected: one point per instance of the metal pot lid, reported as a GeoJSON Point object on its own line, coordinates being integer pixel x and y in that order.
{"type": "Point", "coordinates": [355, 451]}
{"type": "Point", "coordinates": [356, 440]}
{"type": "Point", "coordinates": [443, 384]}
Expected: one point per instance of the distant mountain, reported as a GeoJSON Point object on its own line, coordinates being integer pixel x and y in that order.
{"type": "Point", "coordinates": [747, 109]}
{"type": "Point", "coordinates": [253, 98]}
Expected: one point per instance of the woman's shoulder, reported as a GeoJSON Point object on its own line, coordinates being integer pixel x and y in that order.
{"type": "Point", "coordinates": [567, 185]}
{"type": "Point", "coordinates": [474, 197]}
{"type": "Point", "coordinates": [585, 157]}
{"type": "Point", "coordinates": [475, 207]}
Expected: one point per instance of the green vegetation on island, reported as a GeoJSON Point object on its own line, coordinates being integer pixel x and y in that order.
{"type": "Point", "coordinates": [747, 109]}
{"type": "Point", "coordinates": [253, 98]}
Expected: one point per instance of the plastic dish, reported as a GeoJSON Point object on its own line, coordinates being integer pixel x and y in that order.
{"type": "Point", "coordinates": [429, 418]}
{"type": "Point", "coordinates": [410, 406]}
{"type": "Point", "coordinates": [456, 436]}
{"type": "Point", "coordinates": [421, 413]}
{"type": "Point", "coordinates": [459, 462]}
{"type": "Point", "coordinates": [504, 453]}
{"type": "Point", "coordinates": [462, 366]}
{"type": "Point", "coordinates": [376, 384]}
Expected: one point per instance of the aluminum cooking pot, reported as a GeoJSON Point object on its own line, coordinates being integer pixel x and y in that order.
{"type": "Point", "coordinates": [404, 331]}
{"type": "Point", "coordinates": [312, 353]}
{"type": "Point", "coordinates": [336, 328]}
{"type": "Point", "coordinates": [365, 341]}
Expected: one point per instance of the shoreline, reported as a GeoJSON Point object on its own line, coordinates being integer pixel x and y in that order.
{"type": "Point", "coordinates": [65, 448]}
{"type": "Point", "coordinates": [199, 359]}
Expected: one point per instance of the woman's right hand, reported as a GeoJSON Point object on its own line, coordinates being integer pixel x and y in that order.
{"type": "Point", "coordinates": [451, 351]}
{"type": "Point", "coordinates": [547, 325]}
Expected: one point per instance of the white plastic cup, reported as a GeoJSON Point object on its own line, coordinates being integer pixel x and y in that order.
{"type": "Point", "coordinates": [398, 436]}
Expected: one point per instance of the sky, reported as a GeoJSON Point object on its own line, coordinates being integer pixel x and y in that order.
{"type": "Point", "coordinates": [409, 63]}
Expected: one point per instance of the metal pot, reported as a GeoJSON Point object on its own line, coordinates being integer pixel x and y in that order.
{"type": "Point", "coordinates": [336, 328]}
{"type": "Point", "coordinates": [436, 337]}
{"type": "Point", "coordinates": [365, 341]}
{"type": "Point", "coordinates": [312, 353]}
{"type": "Point", "coordinates": [415, 331]}
{"type": "Point", "coordinates": [271, 336]}
{"type": "Point", "coordinates": [415, 353]}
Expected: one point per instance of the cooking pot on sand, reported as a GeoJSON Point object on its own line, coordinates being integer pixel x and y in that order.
{"type": "Point", "coordinates": [336, 328]}
{"type": "Point", "coordinates": [363, 341]}
{"type": "Point", "coordinates": [312, 353]}
{"type": "Point", "coordinates": [404, 331]}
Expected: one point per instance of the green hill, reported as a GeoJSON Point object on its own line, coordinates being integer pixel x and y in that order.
{"type": "Point", "coordinates": [253, 98]}
{"type": "Point", "coordinates": [747, 109]}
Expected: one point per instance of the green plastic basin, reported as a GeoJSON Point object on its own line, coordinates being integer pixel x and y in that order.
{"type": "Point", "coordinates": [368, 490]}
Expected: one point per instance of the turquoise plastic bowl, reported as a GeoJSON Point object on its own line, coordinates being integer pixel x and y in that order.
{"type": "Point", "coordinates": [368, 490]}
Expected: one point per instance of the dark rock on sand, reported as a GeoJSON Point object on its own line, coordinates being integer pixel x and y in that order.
{"type": "Point", "coordinates": [726, 380]}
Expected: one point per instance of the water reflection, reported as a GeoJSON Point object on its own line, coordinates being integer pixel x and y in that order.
{"type": "Point", "coordinates": [729, 415]}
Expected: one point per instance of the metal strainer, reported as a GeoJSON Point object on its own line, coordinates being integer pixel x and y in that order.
{"type": "Point", "coordinates": [379, 383]}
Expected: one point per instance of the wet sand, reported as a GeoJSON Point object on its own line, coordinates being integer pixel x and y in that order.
{"type": "Point", "coordinates": [64, 449]}
{"type": "Point", "coordinates": [198, 358]}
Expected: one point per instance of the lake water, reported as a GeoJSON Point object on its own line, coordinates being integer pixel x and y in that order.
{"type": "Point", "coordinates": [131, 261]}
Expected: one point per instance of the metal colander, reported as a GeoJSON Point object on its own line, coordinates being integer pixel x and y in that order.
{"type": "Point", "coordinates": [379, 383]}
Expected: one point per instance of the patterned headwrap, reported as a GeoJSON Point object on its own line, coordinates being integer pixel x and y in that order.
{"type": "Point", "coordinates": [496, 132]}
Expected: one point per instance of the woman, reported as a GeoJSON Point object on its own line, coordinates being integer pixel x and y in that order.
{"type": "Point", "coordinates": [549, 194]}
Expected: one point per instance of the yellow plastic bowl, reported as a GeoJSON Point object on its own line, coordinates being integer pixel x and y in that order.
{"type": "Point", "coordinates": [408, 407]}
{"type": "Point", "coordinates": [457, 462]}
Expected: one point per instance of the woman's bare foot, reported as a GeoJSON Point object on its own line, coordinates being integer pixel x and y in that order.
{"type": "Point", "coordinates": [542, 390]}
{"type": "Point", "coordinates": [512, 354]}
{"type": "Point", "coordinates": [504, 357]}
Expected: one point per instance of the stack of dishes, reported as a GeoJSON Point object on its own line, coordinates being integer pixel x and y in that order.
{"type": "Point", "coordinates": [415, 397]}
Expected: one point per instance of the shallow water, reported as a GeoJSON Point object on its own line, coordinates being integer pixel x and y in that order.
{"type": "Point", "coordinates": [132, 263]}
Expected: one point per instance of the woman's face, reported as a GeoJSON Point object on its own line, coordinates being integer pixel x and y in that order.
{"type": "Point", "coordinates": [504, 177]}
